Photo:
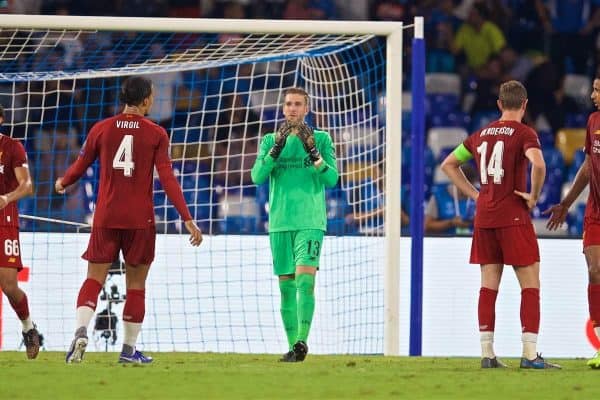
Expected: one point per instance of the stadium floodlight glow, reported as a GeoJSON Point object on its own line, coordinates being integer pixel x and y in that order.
{"type": "Point", "coordinates": [219, 84]}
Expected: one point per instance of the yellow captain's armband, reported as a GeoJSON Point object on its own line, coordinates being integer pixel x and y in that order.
{"type": "Point", "coordinates": [462, 154]}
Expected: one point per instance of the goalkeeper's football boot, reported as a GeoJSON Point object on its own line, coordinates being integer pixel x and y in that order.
{"type": "Point", "coordinates": [487, 362]}
{"type": "Point", "coordinates": [300, 350]}
{"type": "Point", "coordinates": [594, 362]}
{"type": "Point", "coordinates": [32, 341]}
{"type": "Point", "coordinates": [290, 356]}
{"type": "Point", "coordinates": [77, 348]}
{"type": "Point", "coordinates": [136, 358]}
{"type": "Point", "coordinates": [538, 363]}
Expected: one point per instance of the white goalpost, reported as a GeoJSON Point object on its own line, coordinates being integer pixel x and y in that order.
{"type": "Point", "coordinates": [219, 86]}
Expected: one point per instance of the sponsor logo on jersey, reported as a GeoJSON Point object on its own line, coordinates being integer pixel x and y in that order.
{"type": "Point", "coordinates": [597, 132]}
{"type": "Point", "coordinates": [128, 124]}
{"type": "Point", "coordinates": [12, 260]}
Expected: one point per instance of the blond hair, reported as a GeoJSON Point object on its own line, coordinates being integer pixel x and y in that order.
{"type": "Point", "coordinates": [512, 95]}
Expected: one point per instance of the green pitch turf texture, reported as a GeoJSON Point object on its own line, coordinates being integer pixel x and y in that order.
{"type": "Point", "coordinates": [243, 376]}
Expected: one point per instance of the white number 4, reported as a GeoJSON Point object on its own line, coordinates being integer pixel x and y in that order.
{"type": "Point", "coordinates": [124, 157]}
{"type": "Point", "coordinates": [494, 168]}
{"type": "Point", "coordinates": [11, 247]}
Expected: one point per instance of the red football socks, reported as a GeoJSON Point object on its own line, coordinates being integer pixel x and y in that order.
{"type": "Point", "coordinates": [21, 307]}
{"type": "Point", "coordinates": [486, 309]}
{"type": "Point", "coordinates": [594, 303]}
{"type": "Point", "coordinates": [135, 308]}
{"type": "Point", "coordinates": [530, 310]}
{"type": "Point", "coordinates": [88, 294]}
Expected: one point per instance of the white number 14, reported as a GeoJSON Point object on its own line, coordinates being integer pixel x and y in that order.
{"type": "Point", "coordinates": [494, 168]}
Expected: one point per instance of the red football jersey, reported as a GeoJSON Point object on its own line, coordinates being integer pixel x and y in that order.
{"type": "Point", "coordinates": [128, 147]}
{"type": "Point", "coordinates": [499, 151]}
{"type": "Point", "coordinates": [592, 149]}
{"type": "Point", "coordinates": [12, 155]}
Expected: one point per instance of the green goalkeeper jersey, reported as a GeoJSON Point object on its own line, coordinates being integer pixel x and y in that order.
{"type": "Point", "coordinates": [296, 186]}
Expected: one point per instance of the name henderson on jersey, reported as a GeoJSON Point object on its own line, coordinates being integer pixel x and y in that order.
{"type": "Point", "coordinates": [505, 130]}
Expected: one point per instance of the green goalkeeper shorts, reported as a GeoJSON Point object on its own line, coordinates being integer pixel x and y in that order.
{"type": "Point", "coordinates": [295, 248]}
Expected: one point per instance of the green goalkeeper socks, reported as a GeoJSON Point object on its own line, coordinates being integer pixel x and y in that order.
{"type": "Point", "coordinates": [306, 304]}
{"type": "Point", "coordinates": [289, 309]}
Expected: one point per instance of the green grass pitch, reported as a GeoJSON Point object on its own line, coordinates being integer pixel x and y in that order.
{"type": "Point", "coordinates": [244, 376]}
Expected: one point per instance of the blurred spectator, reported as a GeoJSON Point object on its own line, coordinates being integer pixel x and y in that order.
{"type": "Point", "coordinates": [478, 38]}
{"type": "Point", "coordinates": [185, 8]}
{"type": "Point", "coordinates": [104, 7]}
{"type": "Point", "coordinates": [57, 140]}
{"type": "Point", "coordinates": [548, 104]}
{"type": "Point", "coordinates": [358, 11]}
{"type": "Point", "coordinates": [388, 10]}
{"type": "Point", "coordinates": [367, 208]}
{"type": "Point", "coordinates": [310, 9]}
{"type": "Point", "coordinates": [488, 86]}
{"type": "Point", "coordinates": [25, 6]}
{"type": "Point", "coordinates": [439, 30]}
{"type": "Point", "coordinates": [526, 31]}
{"type": "Point", "coordinates": [571, 23]}
{"type": "Point", "coordinates": [516, 66]}
{"type": "Point", "coordinates": [449, 211]}
{"type": "Point", "coordinates": [144, 8]}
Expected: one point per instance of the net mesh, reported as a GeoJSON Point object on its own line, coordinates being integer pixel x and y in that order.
{"type": "Point", "coordinates": [216, 94]}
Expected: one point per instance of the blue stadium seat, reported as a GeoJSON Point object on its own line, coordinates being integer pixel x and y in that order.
{"type": "Point", "coordinates": [576, 120]}
{"type": "Point", "coordinates": [546, 139]}
{"type": "Point", "coordinates": [481, 119]}
{"type": "Point", "coordinates": [444, 152]}
{"type": "Point", "coordinates": [238, 224]}
{"type": "Point", "coordinates": [336, 215]}
{"type": "Point", "coordinates": [575, 220]}
{"type": "Point", "coordinates": [554, 159]}
{"type": "Point", "coordinates": [442, 103]}
{"type": "Point", "coordinates": [578, 159]}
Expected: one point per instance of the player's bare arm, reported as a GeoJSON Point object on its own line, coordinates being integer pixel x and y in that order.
{"type": "Point", "coordinates": [24, 189]}
{"type": "Point", "coordinates": [538, 175]}
{"type": "Point", "coordinates": [451, 167]}
{"type": "Point", "coordinates": [558, 212]}
{"type": "Point", "coordinates": [194, 231]}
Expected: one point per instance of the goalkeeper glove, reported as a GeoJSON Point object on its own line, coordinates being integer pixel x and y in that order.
{"type": "Point", "coordinates": [280, 139]}
{"type": "Point", "coordinates": [307, 135]}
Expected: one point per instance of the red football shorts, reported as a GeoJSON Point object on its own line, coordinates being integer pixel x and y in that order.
{"type": "Point", "coordinates": [10, 248]}
{"type": "Point", "coordinates": [511, 245]}
{"type": "Point", "coordinates": [137, 245]}
{"type": "Point", "coordinates": [591, 234]}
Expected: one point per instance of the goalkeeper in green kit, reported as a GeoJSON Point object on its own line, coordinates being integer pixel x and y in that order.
{"type": "Point", "coordinates": [300, 163]}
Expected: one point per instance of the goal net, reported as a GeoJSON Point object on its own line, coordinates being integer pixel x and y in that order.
{"type": "Point", "coordinates": [216, 94]}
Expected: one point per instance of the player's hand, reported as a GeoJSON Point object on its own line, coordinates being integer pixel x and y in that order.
{"type": "Point", "coordinates": [3, 201]}
{"type": "Point", "coordinates": [531, 202]}
{"type": "Point", "coordinates": [58, 186]}
{"type": "Point", "coordinates": [307, 136]}
{"type": "Point", "coordinates": [195, 232]}
{"type": "Point", "coordinates": [280, 139]}
{"type": "Point", "coordinates": [558, 215]}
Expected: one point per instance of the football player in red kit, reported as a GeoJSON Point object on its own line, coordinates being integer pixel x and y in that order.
{"type": "Point", "coordinates": [589, 172]}
{"type": "Point", "coordinates": [15, 183]}
{"type": "Point", "coordinates": [503, 232]}
{"type": "Point", "coordinates": [128, 147]}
